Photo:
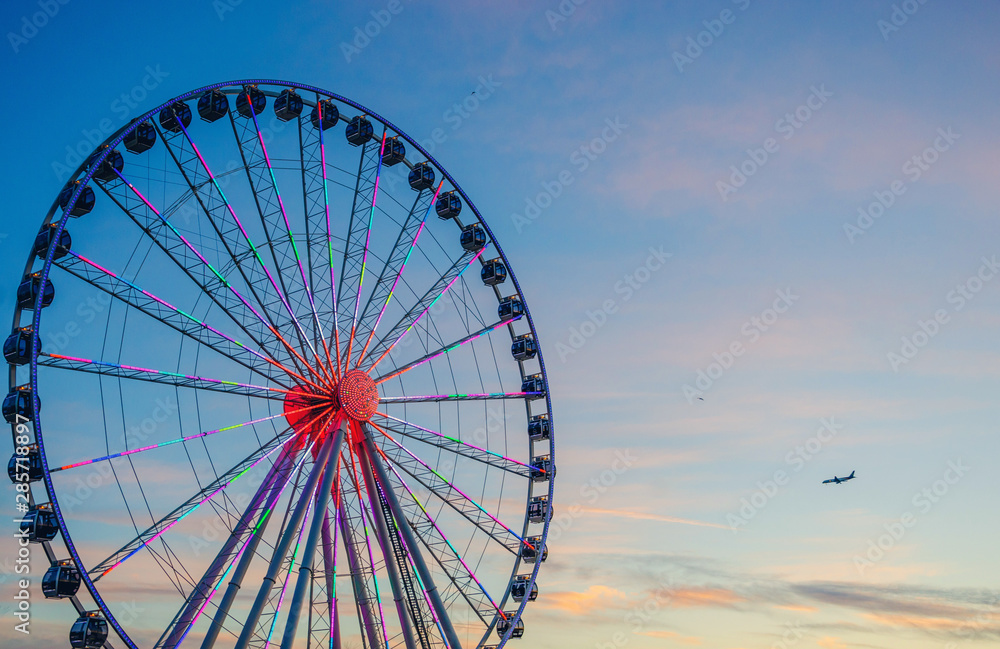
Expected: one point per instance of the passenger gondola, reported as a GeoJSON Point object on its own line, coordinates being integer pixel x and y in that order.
{"type": "Point", "coordinates": [288, 105]}
{"type": "Point", "coordinates": [62, 579]}
{"type": "Point", "coordinates": [213, 105]}
{"type": "Point", "coordinates": [84, 203]}
{"type": "Point", "coordinates": [176, 117]}
{"type": "Point", "coordinates": [330, 114]}
{"type": "Point", "coordinates": [141, 139]}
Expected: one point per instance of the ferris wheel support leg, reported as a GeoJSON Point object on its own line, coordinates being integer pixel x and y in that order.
{"type": "Point", "coordinates": [280, 550]}
{"type": "Point", "coordinates": [306, 565]}
{"type": "Point", "coordinates": [387, 552]}
{"type": "Point", "coordinates": [263, 495]}
{"type": "Point", "coordinates": [365, 610]}
{"type": "Point", "coordinates": [412, 545]}
{"type": "Point", "coordinates": [330, 571]}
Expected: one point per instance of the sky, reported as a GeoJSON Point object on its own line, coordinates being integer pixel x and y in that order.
{"type": "Point", "coordinates": [755, 241]}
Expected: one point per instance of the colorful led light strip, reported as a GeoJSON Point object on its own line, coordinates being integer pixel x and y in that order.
{"type": "Point", "coordinates": [399, 274]}
{"type": "Point", "coordinates": [445, 480]}
{"type": "Point", "coordinates": [329, 238]}
{"type": "Point", "coordinates": [468, 397]}
{"type": "Point", "coordinates": [445, 350]}
{"type": "Point", "coordinates": [452, 439]}
{"type": "Point", "coordinates": [133, 368]}
{"type": "Point", "coordinates": [183, 439]}
{"type": "Point", "coordinates": [413, 324]}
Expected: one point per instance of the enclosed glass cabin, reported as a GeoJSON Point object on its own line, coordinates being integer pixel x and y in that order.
{"type": "Point", "coordinates": [45, 237]}
{"type": "Point", "coordinates": [141, 139]}
{"type": "Point", "coordinates": [288, 105]}
{"type": "Point", "coordinates": [17, 347]}
{"type": "Point", "coordinates": [89, 631]}
{"type": "Point", "coordinates": [493, 272]}
{"type": "Point", "coordinates": [251, 101]}
{"type": "Point", "coordinates": [539, 510]}
{"type": "Point", "coordinates": [421, 176]}
{"type": "Point", "coordinates": [84, 203]}
{"type": "Point", "coordinates": [108, 170]}
{"type": "Point", "coordinates": [534, 383]}
{"type": "Point", "coordinates": [530, 550]}
{"type": "Point", "coordinates": [519, 589]}
{"type": "Point", "coordinates": [30, 287]}
{"type": "Point", "coordinates": [394, 151]}
{"type": "Point", "coordinates": [17, 405]}
{"type": "Point", "coordinates": [213, 105]}
{"type": "Point", "coordinates": [523, 347]}
{"type": "Point", "coordinates": [504, 623]}
{"type": "Point", "coordinates": [473, 237]}
{"type": "Point", "coordinates": [542, 469]}
{"type": "Point", "coordinates": [539, 427]}
{"type": "Point", "coordinates": [62, 579]}
{"type": "Point", "coordinates": [175, 116]}
{"type": "Point", "coordinates": [448, 205]}
{"type": "Point", "coordinates": [40, 523]}
{"type": "Point", "coordinates": [330, 114]}
{"type": "Point", "coordinates": [29, 463]}
{"type": "Point", "coordinates": [510, 307]}
{"type": "Point", "coordinates": [359, 130]}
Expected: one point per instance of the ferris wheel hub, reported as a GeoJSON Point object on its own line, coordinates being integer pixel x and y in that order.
{"type": "Point", "coordinates": [357, 395]}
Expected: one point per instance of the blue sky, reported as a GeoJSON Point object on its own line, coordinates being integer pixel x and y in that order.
{"type": "Point", "coordinates": [590, 113]}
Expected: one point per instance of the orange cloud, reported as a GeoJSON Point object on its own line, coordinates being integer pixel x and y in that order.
{"type": "Point", "coordinates": [798, 609]}
{"type": "Point", "coordinates": [831, 643]}
{"type": "Point", "coordinates": [581, 603]}
{"type": "Point", "coordinates": [653, 517]}
{"type": "Point", "coordinates": [672, 635]}
{"type": "Point", "coordinates": [919, 621]}
{"type": "Point", "coordinates": [690, 597]}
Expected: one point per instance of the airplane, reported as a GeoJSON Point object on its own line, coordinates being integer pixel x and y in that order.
{"type": "Point", "coordinates": [837, 480]}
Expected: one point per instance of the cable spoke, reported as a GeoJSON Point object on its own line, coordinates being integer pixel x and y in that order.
{"type": "Point", "coordinates": [407, 322]}
{"type": "Point", "coordinates": [162, 376]}
{"type": "Point", "coordinates": [444, 350]}
{"type": "Point", "coordinates": [453, 444]}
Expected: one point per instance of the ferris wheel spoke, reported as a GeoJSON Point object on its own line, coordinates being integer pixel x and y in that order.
{"type": "Point", "coordinates": [322, 466]}
{"type": "Point", "coordinates": [444, 349]}
{"type": "Point", "coordinates": [454, 445]}
{"type": "Point", "coordinates": [245, 557]}
{"type": "Point", "coordinates": [361, 564]}
{"type": "Point", "coordinates": [159, 309]}
{"type": "Point", "coordinates": [132, 372]}
{"type": "Point", "coordinates": [241, 250]}
{"type": "Point", "coordinates": [422, 571]}
{"type": "Point", "coordinates": [436, 398]}
{"type": "Point", "coordinates": [392, 270]}
{"type": "Point", "coordinates": [181, 440]}
{"type": "Point", "coordinates": [444, 553]}
{"type": "Point", "coordinates": [430, 298]}
{"type": "Point", "coordinates": [430, 479]}
{"type": "Point", "coordinates": [205, 494]}
{"type": "Point", "coordinates": [284, 251]}
{"type": "Point", "coordinates": [259, 508]}
{"type": "Point", "coordinates": [194, 264]}
{"type": "Point", "coordinates": [352, 271]}
{"type": "Point", "coordinates": [319, 242]}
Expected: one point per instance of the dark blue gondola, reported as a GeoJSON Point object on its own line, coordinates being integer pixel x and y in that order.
{"type": "Point", "coordinates": [84, 203]}
{"type": "Point", "coordinates": [45, 238]}
{"type": "Point", "coordinates": [251, 101]}
{"type": "Point", "coordinates": [17, 405]}
{"type": "Point", "coordinates": [493, 272]}
{"type": "Point", "coordinates": [141, 139]}
{"type": "Point", "coordinates": [359, 131]}
{"type": "Point", "coordinates": [213, 105]}
{"type": "Point", "coordinates": [510, 307]}
{"type": "Point", "coordinates": [538, 509]}
{"type": "Point", "coordinates": [473, 237]}
{"type": "Point", "coordinates": [421, 176]}
{"type": "Point", "coordinates": [62, 579]}
{"type": "Point", "coordinates": [394, 152]}
{"type": "Point", "coordinates": [534, 383]}
{"type": "Point", "coordinates": [448, 205]}
{"type": "Point", "coordinates": [17, 347]}
{"type": "Point", "coordinates": [539, 427]}
{"type": "Point", "coordinates": [519, 589]}
{"type": "Point", "coordinates": [504, 623]}
{"type": "Point", "coordinates": [176, 117]}
{"type": "Point", "coordinates": [523, 347]}
{"type": "Point", "coordinates": [542, 469]}
{"type": "Point", "coordinates": [288, 105]}
{"type": "Point", "coordinates": [28, 464]}
{"type": "Point", "coordinates": [89, 631]}
{"type": "Point", "coordinates": [30, 287]}
{"type": "Point", "coordinates": [40, 523]}
{"type": "Point", "coordinates": [530, 550]}
{"type": "Point", "coordinates": [108, 170]}
{"type": "Point", "coordinates": [330, 114]}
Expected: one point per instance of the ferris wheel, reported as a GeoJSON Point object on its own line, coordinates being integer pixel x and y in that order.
{"type": "Point", "coordinates": [293, 392]}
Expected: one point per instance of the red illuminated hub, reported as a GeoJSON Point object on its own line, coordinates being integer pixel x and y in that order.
{"type": "Point", "coordinates": [305, 414]}
{"type": "Point", "coordinates": [358, 395]}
